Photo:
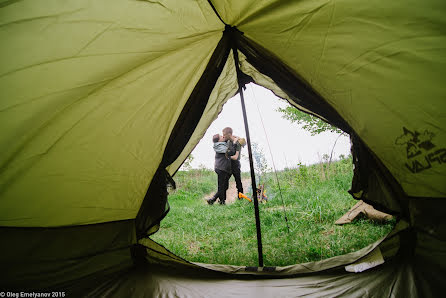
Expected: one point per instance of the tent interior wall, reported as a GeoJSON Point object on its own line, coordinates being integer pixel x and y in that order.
{"type": "Point", "coordinates": [102, 101]}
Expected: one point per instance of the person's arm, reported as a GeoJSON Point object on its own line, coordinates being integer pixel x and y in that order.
{"type": "Point", "coordinates": [235, 156]}
{"type": "Point", "coordinates": [231, 149]}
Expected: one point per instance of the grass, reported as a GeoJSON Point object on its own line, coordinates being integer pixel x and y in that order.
{"type": "Point", "coordinates": [314, 197]}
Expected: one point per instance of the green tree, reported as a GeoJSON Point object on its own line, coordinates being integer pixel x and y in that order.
{"type": "Point", "coordinates": [260, 162]}
{"type": "Point", "coordinates": [309, 122]}
{"type": "Point", "coordinates": [187, 164]}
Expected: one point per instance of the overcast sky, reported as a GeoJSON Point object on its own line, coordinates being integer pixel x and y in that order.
{"type": "Point", "coordinates": [290, 144]}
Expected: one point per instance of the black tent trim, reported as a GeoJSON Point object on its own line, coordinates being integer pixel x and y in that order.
{"type": "Point", "coordinates": [287, 80]}
{"type": "Point", "coordinates": [156, 196]}
{"type": "Point", "coordinates": [304, 95]}
{"type": "Point", "coordinates": [155, 200]}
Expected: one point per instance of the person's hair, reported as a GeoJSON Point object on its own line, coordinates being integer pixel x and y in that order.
{"type": "Point", "coordinates": [215, 138]}
{"type": "Point", "coordinates": [227, 130]}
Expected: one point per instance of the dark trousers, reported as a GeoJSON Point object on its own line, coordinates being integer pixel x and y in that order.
{"type": "Point", "coordinates": [237, 175]}
{"type": "Point", "coordinates": [223, 184]}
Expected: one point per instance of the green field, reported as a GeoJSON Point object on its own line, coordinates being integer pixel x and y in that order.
{"type": "Point", "coordinates": [314, 197]}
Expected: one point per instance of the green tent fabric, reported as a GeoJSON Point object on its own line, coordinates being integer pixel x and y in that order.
{"type": "Point", "coordinates": [102, 101]}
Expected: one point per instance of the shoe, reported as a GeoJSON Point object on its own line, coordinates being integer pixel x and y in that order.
{"type": "Point", "coordinates": [210, 201]}
{"type": "Point", "coordinates": [222, 203]}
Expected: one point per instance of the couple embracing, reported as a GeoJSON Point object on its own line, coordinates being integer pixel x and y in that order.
{"type": "Point", "coordinates": [227, 162]}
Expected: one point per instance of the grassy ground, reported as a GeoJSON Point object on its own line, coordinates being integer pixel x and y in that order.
{"type": "Point", "coordinates": [314, 197]}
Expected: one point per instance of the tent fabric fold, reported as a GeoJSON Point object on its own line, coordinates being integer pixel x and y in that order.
{"type": "Point", "coordinates": [102, 101]}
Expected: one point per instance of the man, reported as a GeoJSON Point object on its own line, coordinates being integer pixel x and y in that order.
{"type": "Point", "coordinates": [224, 149]}
{"type": "Point", "coordinates": [235, 159]}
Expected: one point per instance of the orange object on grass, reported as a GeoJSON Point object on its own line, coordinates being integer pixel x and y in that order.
{"type": "Point", "coordinates": [240, 195]}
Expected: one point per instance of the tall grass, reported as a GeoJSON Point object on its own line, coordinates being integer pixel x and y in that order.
{"type": "Point", "coordinates": [313, 197]}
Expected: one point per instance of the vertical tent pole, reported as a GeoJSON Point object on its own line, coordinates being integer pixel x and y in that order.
{"type": "Point", "coordinates": [251, 163]}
